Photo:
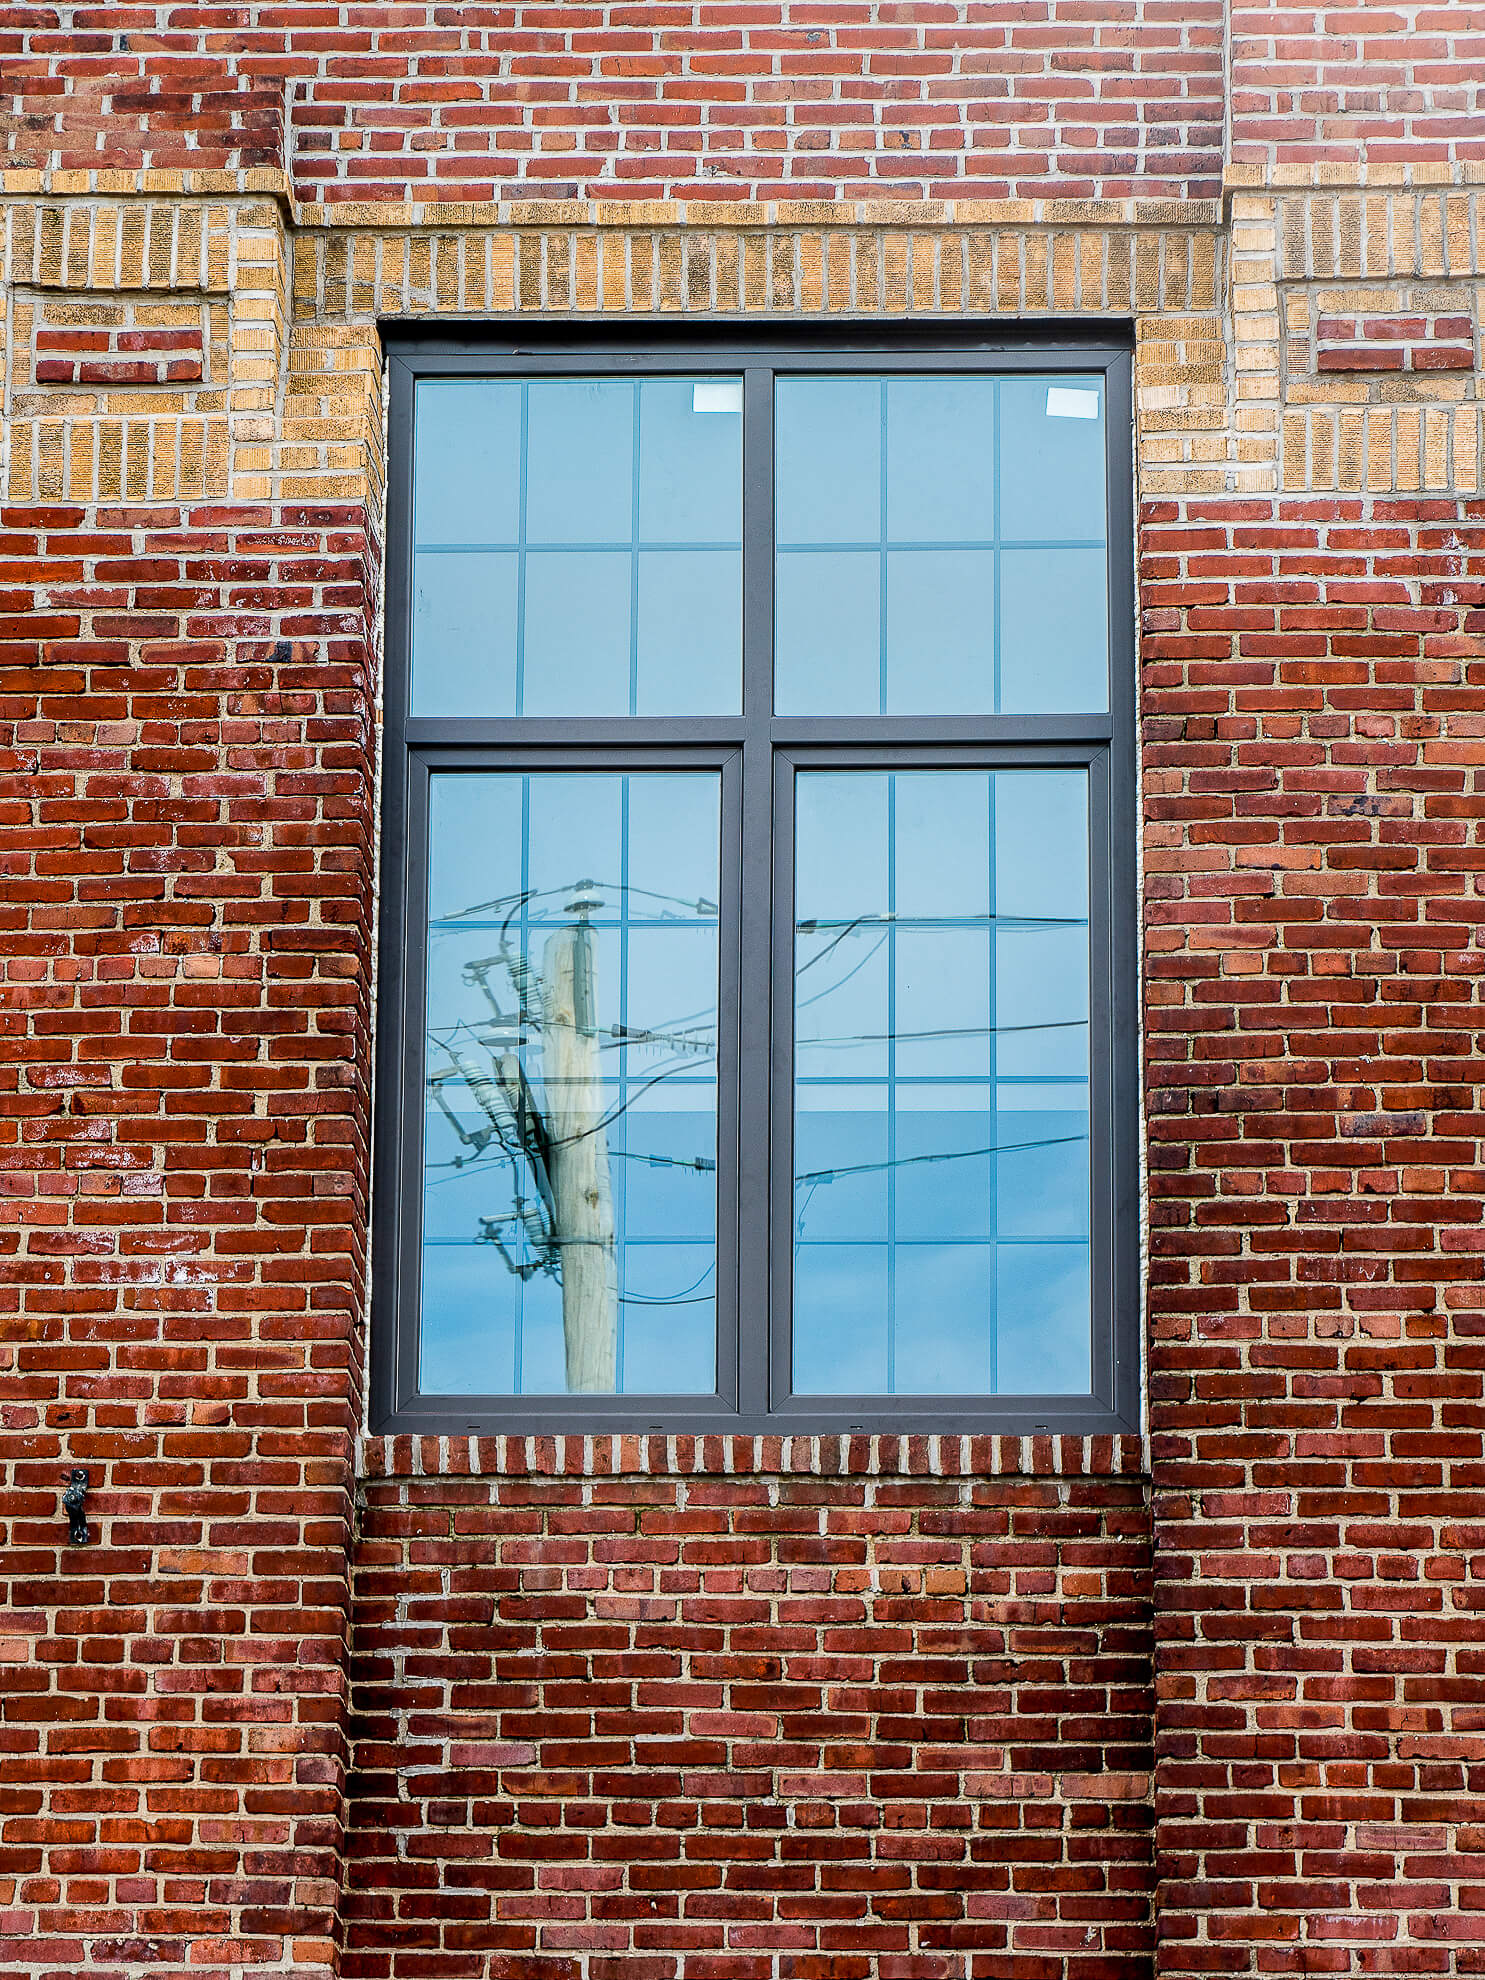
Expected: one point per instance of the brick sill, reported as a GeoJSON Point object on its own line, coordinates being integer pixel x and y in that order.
{"type": "Point", "coordinates": [827, 1456]}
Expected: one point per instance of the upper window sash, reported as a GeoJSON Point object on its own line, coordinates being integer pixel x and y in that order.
{"type": "Point", "coordinates": [938, 549]}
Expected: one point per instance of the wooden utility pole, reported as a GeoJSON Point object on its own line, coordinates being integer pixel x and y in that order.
{"type": "Point", "coordinates": [582, 1189]}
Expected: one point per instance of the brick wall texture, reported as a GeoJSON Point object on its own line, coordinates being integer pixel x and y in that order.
{"type": "Point", "coordinates": [1199, 1703]}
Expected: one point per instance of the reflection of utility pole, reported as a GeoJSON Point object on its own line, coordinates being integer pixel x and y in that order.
{"type": "Point", "coordinates": [582, 1189]}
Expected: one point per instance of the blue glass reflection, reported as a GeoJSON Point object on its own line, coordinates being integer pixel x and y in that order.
{"type": "Point", "coordinates": [577, 547]}
{"type": "Point", "coordinates": [940, 545]}
{"type": "Point", "coordinates": [1054, 629]}
{"type": "Point", "coordinates": [467, 476]}
{"type": "Point", "coordinates": [1052, 460]}
{"type": "Point", "coordinates": [941, 1130]}
{"type": "Point", "coordinates": [465, 617]}
{"type": "Point", "coordinates": [569, 1201]}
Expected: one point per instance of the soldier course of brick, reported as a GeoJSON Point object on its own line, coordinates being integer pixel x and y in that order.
{"type": "Point", "coordinates": [1201, 1702]}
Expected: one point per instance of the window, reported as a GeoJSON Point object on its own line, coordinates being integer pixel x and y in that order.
{"type": "Point", "coordinates": [756, 1009]}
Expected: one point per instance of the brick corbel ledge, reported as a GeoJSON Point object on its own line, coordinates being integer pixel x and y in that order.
{"type": "Point", "coordinates": [830, 1456]}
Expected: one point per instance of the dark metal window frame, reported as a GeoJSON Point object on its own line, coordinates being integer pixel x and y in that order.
{"type": "Point", "coordinates": [756, 754]}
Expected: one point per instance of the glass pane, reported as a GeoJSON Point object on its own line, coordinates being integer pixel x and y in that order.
{"type": "Point", "coordinates": [1044, 1346]}
{"type": "Point", "coordinates": [940, 631]}
{"type": "Point", "coordinates": [570, 1149]}
{"type": "Point", "coordinates": [578, 547]}
{"type": "Point", "coordinates": [940, 487]}
{"type": "Point", "coordinates": [1052, 460]}
{"type": "Point", "coordinates": [1054, 630]}
{"type": "Point", "coordinates": [828, 628]}
{"type": "Point", "coordinates": [576, 649]}
{"type": "Point", "coordinates": [690, 461]}
{"type": "Point", "coordinates": [845, 1351]}
{"type": "Point", "coordinates": [579, 466]}
{"type": "Point", "coordinates": [828, 453]}
{"type": "Point", "coordinates": [941, 1110]}
{"type": "Point", "coordinates": [467, 475]}
{"type": "Point", "coordinates": [940, 546]}
{"type": "Point", "coordinates": [690, 606]}
{"type": "Point", "coordinates": [464, 629]}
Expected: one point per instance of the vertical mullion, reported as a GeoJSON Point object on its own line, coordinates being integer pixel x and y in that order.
{"type": "Point", "coordinates": [760, 1077]}
{"type": "Point", "coordinates": [728, 1079]}
{"type": "Point", "coordinates": [778, 1263]}
{"type": "Point", "coordinates": [619, 1184]}
{"type": "Point", "coordinates": [993, 1372]}
{"type": "Point", "coordinates": [414, 1069]}
{"type": "Point", "coordinates": [1103, 1180]}
{"type": "Point", "coordinates": [891, 1087]}
{"type": "Point", "coordinates": [1118, 894]}
{"type": "Point", "coordinates": [992, 1018]}
{"type": "Point", "coordinates": [396, 1315]}
{"type": "Point", "coordinates": [892, 961]}
{"type": "Point", "coordinates": [634, 550]}
{"type": "Point", "coordinates": [520, 696]}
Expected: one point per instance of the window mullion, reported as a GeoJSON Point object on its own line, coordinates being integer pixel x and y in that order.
{"type": "Point", "coordinates": [756, 971]}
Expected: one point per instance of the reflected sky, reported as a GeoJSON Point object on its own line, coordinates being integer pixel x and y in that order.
{"type": "Point", "coordinates": [940, 546]}
{"type": "Point", "coordinates": [577, 547]}
{"type": "Point", "coordinates": [940, 549]}
{"type": "Point", "coordinates": [941, 1130]}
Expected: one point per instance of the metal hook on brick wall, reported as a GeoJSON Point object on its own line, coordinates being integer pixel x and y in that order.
{"type": "Point", "coordinates": [74, 1501]}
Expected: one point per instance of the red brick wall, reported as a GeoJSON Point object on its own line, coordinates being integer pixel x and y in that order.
{"type": "Point", "coordinates": [950, 98]}
{"type": "Point", "coordinates": [1314, 749]}
{"type": "Point", "coordinates": [184, 875]}
{"type": "Point", "coordinates": [823, 1712]}
{"type": "Point", "coordinates": [708, 100]}
{"type": "Point", "coordinates": [115, 87]}
{"type": "Point", "coordinates": [1388, 84]}
{"type": "Point", "coordinates": [735, 1712]}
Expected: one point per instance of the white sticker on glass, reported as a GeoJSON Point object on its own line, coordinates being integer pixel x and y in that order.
{"type": "Point", "coordinates": [717, 395]}
{"type": "Point", "coordinates": [1071, 402]}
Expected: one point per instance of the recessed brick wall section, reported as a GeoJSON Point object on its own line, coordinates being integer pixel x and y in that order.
{"type": "Point", "coordinates": [1395, 343]}
{"type": "Point", "coordinates": [1314, 680]}
{"type": "Point", "coordinates": [854, 1717]}
{"type": "Point", "coordinates": [118, 357]}
{"type": "Point", "coordinates": [185, 782]}
{"type": "Point", "coordinates": [705, 100]}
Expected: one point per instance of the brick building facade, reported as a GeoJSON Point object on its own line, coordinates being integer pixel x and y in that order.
{"type": "Point", "coordinates": [1201, 1701]}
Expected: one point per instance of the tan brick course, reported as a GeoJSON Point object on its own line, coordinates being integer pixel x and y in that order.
{"type": "Point", "coordinates": [1232, 394]}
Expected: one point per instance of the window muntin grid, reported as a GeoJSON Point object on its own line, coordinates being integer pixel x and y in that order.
{"type": "Point", "coordinates": [941, 1240]}
{"type": "Point", "coordinates": [528, 1103]}
{"type": "Point", "coordinates": [577, 547]}
{"type": "Point", "coordinates": [941, 545]}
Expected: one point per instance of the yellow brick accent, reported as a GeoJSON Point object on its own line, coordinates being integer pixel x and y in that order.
{"type": "Point", "coordinates": [1225, 300]}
